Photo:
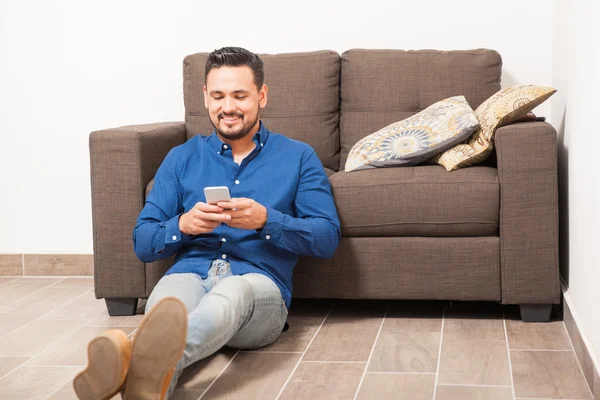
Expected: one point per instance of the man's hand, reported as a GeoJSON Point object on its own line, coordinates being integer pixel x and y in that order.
{"type": "Point", "coordinates": [245, 213]}
{"type": "Point", "coordinates": [202, 218]}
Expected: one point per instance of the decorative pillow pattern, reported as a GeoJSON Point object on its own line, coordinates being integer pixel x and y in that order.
{"type": "Point", "coordinates": [416, 138]}
{"type": "Point", "coordinates": [504, 107]}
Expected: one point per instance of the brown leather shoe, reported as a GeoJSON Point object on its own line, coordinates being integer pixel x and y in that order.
{"type": "Point", "coordinates": [109, 355]}
{"type": "Point", "coordinates": [157, 347]}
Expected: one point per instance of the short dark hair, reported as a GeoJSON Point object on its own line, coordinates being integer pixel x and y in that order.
{"type": "Point", "coordinates": [236, 57]}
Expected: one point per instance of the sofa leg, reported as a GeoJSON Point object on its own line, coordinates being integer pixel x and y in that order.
{"type": "Point", "coordinates": [121, 306]}
{"type": "Point", "coordinates": [535, 312]}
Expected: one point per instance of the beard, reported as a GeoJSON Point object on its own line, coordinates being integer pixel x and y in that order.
{"type": "Point", "coordinates": [235, 133]}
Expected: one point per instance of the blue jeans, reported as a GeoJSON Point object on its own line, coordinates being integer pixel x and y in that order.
{"type": "Point", "coordinates": [240, 311]}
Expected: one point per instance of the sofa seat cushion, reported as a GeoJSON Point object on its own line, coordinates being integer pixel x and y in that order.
{"type": "Point", "coordinates": [418, 201]}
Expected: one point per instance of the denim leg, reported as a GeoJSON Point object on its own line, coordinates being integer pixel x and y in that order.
{"type": "Point", "coordinates": [268, 316]}
{"type": "Point", "coordinates": [242, 311]}
{"type": "Point", "coordinates": [187, 287]}
{"type": "Point", "coordinates": [218, 316]}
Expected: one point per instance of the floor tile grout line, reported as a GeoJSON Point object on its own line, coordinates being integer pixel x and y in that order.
{"type": "Point", "coordinates": [510, 371]}
{"type": "Point", "coordinates": [41, 352]}
{"type": "Point", "coordinates": [32, 293]}
{"type": "Point", "coordinates": [36, 319]}
{"type": "Point", "coordinates": [57, 390]}
{"type": "Point", "coordinates": [569, 336]}
{"type": "Point", "coordinates": [55, 366]}
{"type": "Point", "coordinates": [577, 358]}
{"type": "Point", "coordinates": [473, 385]}
{"type": "Point", "coordinates": [62, 279]}
{"type": "Point", "coordinates": [12, 370]}
{"type": "Point", "coordinates": [63, 339]}
{"type": "Point", "coordinates": [270, 352]}
{"type": "Point", "coordinates": [362, 378]}
{"type": "Point", "coordinates": [64, 304]}
{"type": "Point", "coordinates": [59, 340]}
{"type": "Point", "coordinates": [14, 280]}
{"type": "Point", "coordinates": [37, 366]}
{"type": "Point", "coordinates": [53, 393]}
{"type": "Point", "coordinates": [219, 375]}
{"type": "Point", "coordinates": [545, 398]}
{"type": "Point", "coordinates": [49, 276]}
{"type": "Point", "coordinates": [334, 362]}
{"type": "Point", "coordinates": [303, 354]}
{"type": "Point", "coordinates": [400, 373]}
{"type": "Point", "coordinates": [437, 371]}
{"type": "Point", "coordinates": [548, 350]}
{"type": "Point", "coordinates": [40, 316]}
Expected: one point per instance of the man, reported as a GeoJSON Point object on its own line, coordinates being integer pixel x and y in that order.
{"type": "Point", "coordinates": [232, 274]}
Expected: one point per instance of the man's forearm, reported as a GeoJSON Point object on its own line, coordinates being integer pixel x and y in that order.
{"type": "Point", "coordinates": [316, 237]}
{"type": "Point", "coordinates": [154, 240]}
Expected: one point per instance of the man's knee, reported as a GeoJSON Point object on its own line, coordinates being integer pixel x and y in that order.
{"type": "Point", "coordinates": [236, 290]}
{"type": "Point", "coordinates": [186, 287]}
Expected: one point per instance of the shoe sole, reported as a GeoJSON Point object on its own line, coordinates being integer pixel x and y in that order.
{"type": "Point", "coordinates": [108, 362]}
{"type": "Point", "coordinates": [157, 347]}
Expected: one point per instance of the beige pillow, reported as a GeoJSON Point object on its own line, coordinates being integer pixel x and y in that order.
{"type": "Point", "coordinates": [416, 138]}
{"type": "Point", "coordinates": [504, 107]}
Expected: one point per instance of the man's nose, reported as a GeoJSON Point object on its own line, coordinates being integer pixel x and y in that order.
{"type": "Point", "coordinates": [228, 105]}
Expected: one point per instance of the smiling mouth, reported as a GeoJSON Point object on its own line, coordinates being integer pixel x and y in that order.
{"type": "Point", "coordinates": [230, 118]}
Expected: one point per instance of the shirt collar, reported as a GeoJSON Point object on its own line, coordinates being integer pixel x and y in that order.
{"type": "Point", "coordinates": [260, 138]}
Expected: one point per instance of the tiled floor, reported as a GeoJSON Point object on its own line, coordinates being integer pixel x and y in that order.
{"type": "Point", "coordinates": [333, 350]}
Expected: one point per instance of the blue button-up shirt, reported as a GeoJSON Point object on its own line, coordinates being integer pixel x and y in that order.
{"type": "Point", "coordinates": [282, 174]}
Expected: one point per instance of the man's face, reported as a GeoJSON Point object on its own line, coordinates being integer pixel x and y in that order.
{"type": "Point", "coordinates": [233, 101]}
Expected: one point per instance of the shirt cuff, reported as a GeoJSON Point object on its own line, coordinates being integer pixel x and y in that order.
{"type": "Point", "coordinates": [172, 233]}
{"type": "Point", "coordinates": [273, 227]}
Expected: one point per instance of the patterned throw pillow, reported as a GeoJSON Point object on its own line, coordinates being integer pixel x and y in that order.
{"type": "Point", "coordinates": [416, 138]}
{"type": "Point", "coordinates": [504, 107]}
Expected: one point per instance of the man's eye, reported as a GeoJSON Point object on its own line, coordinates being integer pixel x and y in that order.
{"type": "Point", "coordinates": [241, 97]}
{"type": "Point", "coordinates": [217, 97]}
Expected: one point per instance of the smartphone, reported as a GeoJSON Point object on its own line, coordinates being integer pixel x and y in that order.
{"type": "Point", "coordinates": [214, 194]}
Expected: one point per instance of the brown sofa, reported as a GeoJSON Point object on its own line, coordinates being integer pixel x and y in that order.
{"type": "Point", "coordinates": [487, 232]}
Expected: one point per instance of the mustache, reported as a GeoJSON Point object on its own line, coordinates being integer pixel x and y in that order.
{"type": "Point", "coordinates": [221, 115]}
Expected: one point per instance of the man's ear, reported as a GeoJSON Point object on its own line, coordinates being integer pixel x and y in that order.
{"type": "Point", "coordinates": [262, 96]}
{"type": "Point", "coordinates": [205, 98]}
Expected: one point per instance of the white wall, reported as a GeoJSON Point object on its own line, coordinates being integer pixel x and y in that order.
{"type": "Point", "coordinates": [70, 67]}
{"type": "Point", "coordinates": [576, 69]}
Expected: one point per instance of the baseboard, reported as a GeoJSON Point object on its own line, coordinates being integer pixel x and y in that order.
{"type": "Point", "coordinates": [581, 345]}
{"type": "Point", "coordinates": [46, 265]}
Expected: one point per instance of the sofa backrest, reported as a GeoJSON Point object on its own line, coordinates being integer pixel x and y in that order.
{"type": "Point", "coordinates": [303, 100]}
{"type": "Point", "coordinates": [379, 87]}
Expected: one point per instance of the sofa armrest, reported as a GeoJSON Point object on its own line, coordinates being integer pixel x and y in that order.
{"type": "Point", "coordinates": [527, 171]}
{"type": "Point", "coordinates": [123, 160]}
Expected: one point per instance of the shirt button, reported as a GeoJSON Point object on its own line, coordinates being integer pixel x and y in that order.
{"type": "Point", "coordinates": [218, 152]}
{"type": "Point", "coordinates": [224, 146]}
{"type": "Point", "coordinates": [262, 144]}
{"type": "Point", "coordinates": [174, 237]}
{"type": "Point", "coordinates": [237, 182]}
{"type": "Point", "coordinates": [224, 256]}
{"type": "Point", "coordinates": [223, 240]}
{"type": "Point", "coordinates": [268, 237]}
